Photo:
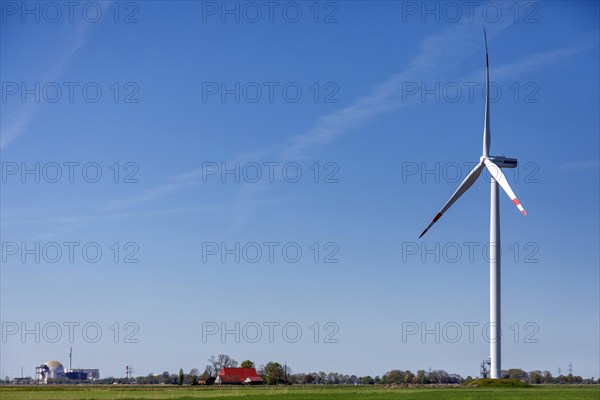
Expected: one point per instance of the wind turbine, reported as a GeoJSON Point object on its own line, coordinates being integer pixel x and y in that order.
{"type": "Point", "coordinates": [494, 165]}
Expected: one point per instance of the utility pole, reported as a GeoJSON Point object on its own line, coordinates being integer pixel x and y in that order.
{"type": "Point", "coordinates": [128, 371]}
{"type": "Point", "coordinates": [570, 369]}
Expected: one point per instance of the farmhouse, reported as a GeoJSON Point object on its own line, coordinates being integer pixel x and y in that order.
{"type": "Point", "coordinates": [207, 381]}
{"type": "Point", "coordinates": [238, 376]}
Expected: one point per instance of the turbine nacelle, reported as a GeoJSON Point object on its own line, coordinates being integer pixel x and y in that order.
{"type": "Point", "coordinates": [501, 161]}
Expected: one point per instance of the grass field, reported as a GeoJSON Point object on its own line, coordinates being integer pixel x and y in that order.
{"type": "Point", "coordinates": [294, 393]}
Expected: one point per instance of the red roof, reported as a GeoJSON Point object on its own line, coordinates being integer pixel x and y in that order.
{"type": "Point", "coordinates": [238, 375]}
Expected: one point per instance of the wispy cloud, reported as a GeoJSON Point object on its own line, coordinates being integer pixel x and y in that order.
{"type": "Point", "coordinates": [582, 165]}
{"type": "Point", "coordinates": [149, 195]}
{"type": "Point", "coordinates": [437, 55]}
{"type": "Point", "coordinates": [16, 125]}
{"type": "Point", "coordinates": [537, 60]}
{"type": "Point", "coordinates": [11, 129]}
{"type": "Point", "coordinates": [440, 51]}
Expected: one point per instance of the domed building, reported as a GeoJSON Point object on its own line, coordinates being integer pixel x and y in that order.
{"type": "Point", "coordinates": [55, 370]}
{"type": "Point", "coordinates": [49, 370]}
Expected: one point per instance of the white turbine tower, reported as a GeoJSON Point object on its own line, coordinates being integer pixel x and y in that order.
{"type": "Point", "coordinates": [493, 164]}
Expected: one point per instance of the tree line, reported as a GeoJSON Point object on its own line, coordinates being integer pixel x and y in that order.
{"type": "Point", "coordinates": [274, 373]}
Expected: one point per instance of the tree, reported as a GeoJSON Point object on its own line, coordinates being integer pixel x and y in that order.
{"type": "Point", "coordinates": [206, 374]}
{"type": "Point", "coordinates": [273, 373]}
{"type": "Point", "coordinates": [165, 377]}
{"type": "Point", "coordinates": [295, 378]}
{"type": "Point", "coordinates": [535, 377]}
{"type": "Point", "coordinates": [322, 377]}
{"type": "Point", "coordinates": [422, 377]}
{"type": "Point", "coordinates": [393, 376]}
{"type": "Point", "coordinates": [440, 376]}
{"type": "Point", "coordinates": [517, 373]}
{"type": "Point", "coordinates": [193, 376]}
{"type": "Point", "coordinates": [247, 364]}
{"type": "Point", "coordinates": [180, 377]}
{"type": "Point", "coordinates": [308, 379]}
{"type": "Point", "coordinates": [331, 378]}
{"type": "Point", "coordinates": [226, 362]}
{"type": "Point", "coordinates": [219, 362]}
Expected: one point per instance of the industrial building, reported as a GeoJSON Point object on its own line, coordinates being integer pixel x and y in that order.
{"type": "Point", "coordinates": [49, 370]}
{"type": "Point", "coordinates": [83, 373]}
{"type": "Point", "coordinates": [55, 370]}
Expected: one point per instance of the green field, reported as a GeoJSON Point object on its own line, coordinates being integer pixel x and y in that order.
{"type": "Point", "coordinates": [293, 393]}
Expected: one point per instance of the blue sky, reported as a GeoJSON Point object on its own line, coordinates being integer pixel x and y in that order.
{"type": "Point", "coordinates": [384, 98]}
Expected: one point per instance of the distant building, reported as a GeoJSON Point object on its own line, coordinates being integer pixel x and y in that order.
{"type": "Point", "coordinates": [23, 381]}
{"type": "Point", "coordinates": [55, 370]}
{"type": "Point", "coordinates": [208, 381]}
{"type": "Point", "coordinates": [83, 373]}
{"type": "Point", "coordinates": [49, 370]}
{"type": "Point", "coordinates": [238, 376]}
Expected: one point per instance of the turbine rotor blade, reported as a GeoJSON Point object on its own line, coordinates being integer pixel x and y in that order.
{"type": "Point", "coordinates": [499, 177]}
{"type": "Point", "coordinates": [486, 126]}
{"type": "Point", "coordinates": [464, 186]}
